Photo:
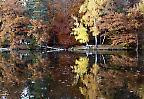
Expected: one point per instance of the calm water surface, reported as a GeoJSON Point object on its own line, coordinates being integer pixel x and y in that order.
{"type": "Point", "coordinates": [71, 75]}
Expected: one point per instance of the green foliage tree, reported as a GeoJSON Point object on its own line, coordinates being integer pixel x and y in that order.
{"type": "Point", "coordinates": [37, 9]}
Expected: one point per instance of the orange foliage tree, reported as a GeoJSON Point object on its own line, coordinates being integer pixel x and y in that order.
{"type": "Point", "coordinates": [122, 28]}
{"type": "Point", "coordinates": [16, 29]}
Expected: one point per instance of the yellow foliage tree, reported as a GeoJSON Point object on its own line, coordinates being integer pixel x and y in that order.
{"type": "Point", "coordinates": [80, 32]}
{"type": "Point", "coordinates": [91, 11]}
{"type": "Point", "coordinates": [140, 6]}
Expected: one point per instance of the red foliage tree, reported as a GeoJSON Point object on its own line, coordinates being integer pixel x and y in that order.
{"type": "Point", "coordinates": [63, 21]}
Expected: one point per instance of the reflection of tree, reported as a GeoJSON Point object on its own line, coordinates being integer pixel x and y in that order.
{"type": "Point", "coordinates": [120, 85]}
{"type": "Point", "coordinates": [36, 71]}
{"type": "Point", "coordinates": [109, 82]}
{"type": "Point", "coordinates": [141, 91]}
{"type": "Point", "coordinates": [36, 88]}
{"type": "Point", "coordinates": [20, 68]}
{"type": "Point", "coordinates": [87, 77]}
{"type": "Point", "coordinates": [41, 75]}
{"type": "Point", "coordinates": [90, 82]}
{"type": "Point", "coordinates": [81, 67]}
{"type": "Point", "coordinates": [123, 60]}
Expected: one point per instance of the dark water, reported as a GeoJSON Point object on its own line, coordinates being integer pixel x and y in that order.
{"type": "Point", "coordinates": [71, 75]}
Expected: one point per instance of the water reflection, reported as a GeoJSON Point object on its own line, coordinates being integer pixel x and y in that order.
{"type": "Point", "coordinates": [71, 75]}
{"type": "Point", "coordinates": [88, 78]}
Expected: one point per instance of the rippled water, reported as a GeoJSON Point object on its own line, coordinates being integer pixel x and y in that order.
{"type": "Point", "coordinates": [71, 75]}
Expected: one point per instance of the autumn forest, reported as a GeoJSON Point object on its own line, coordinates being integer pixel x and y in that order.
{"type": "Point", "coordinates": [30, 24]}
{"type": "Point", "coordinates": [71, 49]}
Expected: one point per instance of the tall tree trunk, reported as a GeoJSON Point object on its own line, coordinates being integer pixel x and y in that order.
{"type": "Point", "coordinates": [96, 41]}
{"type": "Point", "coordinates": [103, 39]}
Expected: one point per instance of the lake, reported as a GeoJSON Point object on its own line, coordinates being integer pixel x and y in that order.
{"type": "Point", "coordinates": [72, 75]}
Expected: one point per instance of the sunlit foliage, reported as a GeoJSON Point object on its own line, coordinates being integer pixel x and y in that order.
{"type": "Point", "coordinates": [91, 11]}
{"type": "Point", "coordinates": [140, 6]}
{"type": "Point", "coordinates": [93, 18]}
{"type": "Point", "coordinates": [80, 32]}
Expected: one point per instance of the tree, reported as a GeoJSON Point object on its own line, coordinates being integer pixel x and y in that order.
{"type": "Point", "coordinates": [140, 6]}
{"type": "Point", "coordinates": [60, 12]}
{"type": "Point", "coordinates": [37, 9]}
{"type": "Point", "coordinates": [91, 11]}
{"type": "Point", "coordinates": [17, 30]}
